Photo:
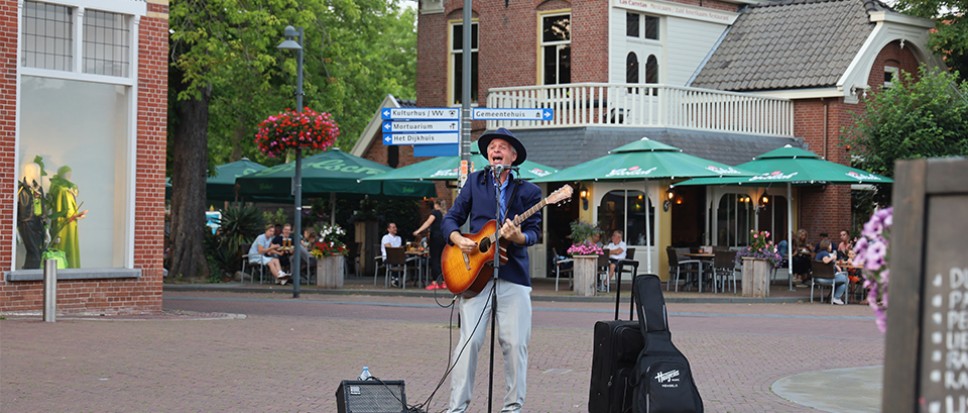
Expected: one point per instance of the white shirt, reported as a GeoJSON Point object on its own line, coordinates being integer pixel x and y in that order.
{"type": "Point", "coordinates": [612, 246]}
{"type": "Point", "coordinates": [393, 240]}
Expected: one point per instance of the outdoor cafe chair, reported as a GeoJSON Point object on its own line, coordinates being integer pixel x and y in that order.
{"type": "Point", "coordinates": [678, 267]}
{"type": "Point", "coordinates": [396, 263]}
{"type": "Point", "coordinates": [602, 272]}
{"type": "Point", "coordinates": [724, 269]}
{"type": "Point", "coordinates": [823, 275]}
{"type": "Point", "coordinates": [252, 267]}
{"type": "Point", "coordinates": [627, 265]}
{"type": "Point", "coordinates": [563, 264]}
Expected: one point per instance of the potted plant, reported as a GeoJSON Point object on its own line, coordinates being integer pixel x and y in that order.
{"type": "Point", "coordinates": [329, 250]}
{"type": "Point", "coordinates": [757, 259]}
{"type": "Point", "coordinates": [585, 255]}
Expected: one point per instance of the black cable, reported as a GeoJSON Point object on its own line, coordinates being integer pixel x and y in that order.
{"type": "Point", "coordinates": [452, 362]}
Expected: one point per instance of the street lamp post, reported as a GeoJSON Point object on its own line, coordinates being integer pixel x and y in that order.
{"type": "Point", "coordinates": [292, 33]}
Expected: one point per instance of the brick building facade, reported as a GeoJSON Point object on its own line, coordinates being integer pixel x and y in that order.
{"type": "Point", "coordinates": [122, 235]}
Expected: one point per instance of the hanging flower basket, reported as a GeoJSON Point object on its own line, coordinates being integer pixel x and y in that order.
{"type": "Point", "coordinates": [291, 129]}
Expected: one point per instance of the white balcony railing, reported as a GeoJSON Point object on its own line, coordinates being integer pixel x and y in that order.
{"type": "Point", "coordinates": [646, 105]}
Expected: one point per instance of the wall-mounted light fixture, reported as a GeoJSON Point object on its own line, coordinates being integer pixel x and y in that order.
{"type": "Point", "coordinates": [670, 193]}
{"type": "Point", "coordinates": [583, 194]}
{"type": "Point", "coordinates": [765, 199]}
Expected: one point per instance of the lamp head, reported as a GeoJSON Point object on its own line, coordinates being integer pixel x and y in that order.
{"type": "Point", "coordinates": [290, 43]}
{"type": "Point", "coordinates": [583, 194]}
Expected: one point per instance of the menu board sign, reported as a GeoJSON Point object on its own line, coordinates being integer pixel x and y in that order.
{"type": "Point", "coordinates": [926, 355]}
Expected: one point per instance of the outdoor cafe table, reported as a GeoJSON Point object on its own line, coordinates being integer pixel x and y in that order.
{"type": "Point", "coordinates": [422, 259]}
{"type": "Point", "coordinates": [704, 258]}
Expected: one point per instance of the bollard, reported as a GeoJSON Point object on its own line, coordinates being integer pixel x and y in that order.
{"type": "Point", "coordinates": [50, 291]}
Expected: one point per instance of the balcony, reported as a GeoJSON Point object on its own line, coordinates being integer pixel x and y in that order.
{"type": "Point", "coordinates": [646, 105]}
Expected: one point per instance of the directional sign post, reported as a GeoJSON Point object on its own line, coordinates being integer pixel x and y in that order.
{"type": "Point", "coordinates": [433, 128]}
{"type": "Point", "coordinates": [538, 114]}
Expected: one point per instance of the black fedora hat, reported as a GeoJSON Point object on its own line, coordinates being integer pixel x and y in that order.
{"type": "Point", "coordinates": [505, 134]}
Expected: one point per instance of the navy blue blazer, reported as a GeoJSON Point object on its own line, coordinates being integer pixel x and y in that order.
{"type": "Point", "coordinates": [477, 199]}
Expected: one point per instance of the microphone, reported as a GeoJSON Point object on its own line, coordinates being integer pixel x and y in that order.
{"type": "Point", "coordinates": [496, 168]}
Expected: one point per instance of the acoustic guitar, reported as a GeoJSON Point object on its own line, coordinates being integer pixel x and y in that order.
{"type": "Point", "coordinates": [467, 273]}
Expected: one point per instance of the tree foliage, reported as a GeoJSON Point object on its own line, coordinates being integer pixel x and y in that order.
{"type": "Point", "coordinates": [227, 75]}
{"type": "Point", "coordinates": [950, 36]}
{"type": "Point", "coordinates": [927, 117]}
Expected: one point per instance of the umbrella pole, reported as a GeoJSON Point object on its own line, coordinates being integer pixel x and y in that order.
{"type": "Point", "coordinates": [332, 208]}
{"type": "Point", "coordinates": [648, 230]}
{"type": "Point", "coordinates": [790, 235]}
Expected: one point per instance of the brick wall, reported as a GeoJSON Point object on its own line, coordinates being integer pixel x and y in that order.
{"type": "Point", "coordinates": [98, 296]}
{"type": "Point", "coordinates": [818, 204]}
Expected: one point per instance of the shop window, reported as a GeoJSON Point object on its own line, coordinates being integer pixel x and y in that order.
{"type": "Point", "coordinates": [627, 210]}
{"type": "Point", "coordinates": [734, 220]}
{"type": "Point", "coordinates": [80, 132]}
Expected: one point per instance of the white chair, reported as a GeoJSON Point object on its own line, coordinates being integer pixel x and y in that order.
{"type": "Point", "coordinates": [563, 264]}
{"type": "Point", "coordinates": [252, 265]}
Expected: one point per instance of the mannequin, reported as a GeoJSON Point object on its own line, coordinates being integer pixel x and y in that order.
{"type": "Point", "coordinates": [66, 214]}
{"type": "Point", "coordinates": [30, 215]}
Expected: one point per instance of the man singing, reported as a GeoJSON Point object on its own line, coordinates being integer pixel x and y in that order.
{"type": "Point", "coordinates": [478, 200]}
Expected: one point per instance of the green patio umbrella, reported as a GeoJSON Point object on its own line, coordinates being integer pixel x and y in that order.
{"type": "Point", "coordinates": [333, 171]}
{"type": "Point", "coordinates": [644, 159]}
{"type": "Point", "coordinates": [221, 186]}
{"type": "Point", "coordinates": [793, 166]}
{"type": "Point", "coordinates": [446, 168]}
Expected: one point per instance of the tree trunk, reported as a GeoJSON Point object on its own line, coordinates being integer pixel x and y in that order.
{"type": "Point", "coordinates": [189, 154]}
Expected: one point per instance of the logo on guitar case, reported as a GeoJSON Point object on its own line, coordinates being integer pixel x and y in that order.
{"type": "Point", "coordinates": [668, 378]}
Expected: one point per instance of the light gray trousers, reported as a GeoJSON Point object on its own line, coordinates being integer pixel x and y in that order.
{"type": "Point", "coordinates": [513, 333]}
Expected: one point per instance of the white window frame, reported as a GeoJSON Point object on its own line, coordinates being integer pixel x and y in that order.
{"type": "Point", "coordinates": [893, 70]}
{"type": "Point", "coordinates": [542, 44]}
{"type": "Point", "coordinates": [454, 96]}
{"type": "Point", "coordinates": [135, 10]}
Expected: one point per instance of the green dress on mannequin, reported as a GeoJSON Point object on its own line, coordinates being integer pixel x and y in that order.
{"type": "Point", "coordinates": [65, 205]}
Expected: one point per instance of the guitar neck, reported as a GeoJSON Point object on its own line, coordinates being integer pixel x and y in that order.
{"type": "Point", "coordinates": [521, 217]}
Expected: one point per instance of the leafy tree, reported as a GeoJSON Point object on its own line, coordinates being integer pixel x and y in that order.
{"type": "Point", "coordinates": [950, 36]}
{"type": "Point", "coordinates": [927, 117]}
{"type": "Point", "coordinates": [226, 75]}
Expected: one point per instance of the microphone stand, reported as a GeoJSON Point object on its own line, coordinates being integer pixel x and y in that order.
{"type": "Point", "coordinates": [498, 169]}
{"type": "Point", "coordinates": [494, 278]}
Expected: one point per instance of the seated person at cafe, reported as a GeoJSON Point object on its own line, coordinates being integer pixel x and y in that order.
{"type": "Point", "coordinates": [826, 255]}
{"type": "Point", "coordinates": [262, 252]}
{"type": "Point", "coordinates": [802, 255]}
{"type": "Point", "coordinates": [617, 251]}
{"type": "Point", "coordinates": [307, 243]}
{"type": "Point", "coordinates": [284, 241]}
{"type": "Point", "coordinates": [845, 247]}
{"type": "Point", "coordinates": [391, 239]}
{"type": "Point", "coordinates": [596, 239]}
{"type": "Point", "coordinates": [823, 236]}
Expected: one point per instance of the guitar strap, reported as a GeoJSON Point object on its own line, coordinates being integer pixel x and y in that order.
{"type": "Point", "coordinates": [515, 183]}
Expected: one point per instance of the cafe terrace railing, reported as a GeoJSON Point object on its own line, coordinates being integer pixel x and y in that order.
{"type": "Point", "coordinates": [645, 105]}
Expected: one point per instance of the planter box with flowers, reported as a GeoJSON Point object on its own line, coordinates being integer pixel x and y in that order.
{"type": "Point", "coordinates": [330, 251]}
{"type": "Point", "coordinates": [758, 260]}
{"type": "Point", "coordinates": [585, 255]}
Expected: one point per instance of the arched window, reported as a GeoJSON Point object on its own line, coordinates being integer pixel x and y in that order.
{"type": "Point", "coordinates": [652, 72]}
{"type": "Point", "coordinates": [631, 68]}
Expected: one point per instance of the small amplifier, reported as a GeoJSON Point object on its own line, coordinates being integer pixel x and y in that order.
{"type": "Point", "coordinates": [371, 396]}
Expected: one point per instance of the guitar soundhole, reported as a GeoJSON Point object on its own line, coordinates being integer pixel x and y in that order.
{"type": "Point", "coordinates": [484, 245]}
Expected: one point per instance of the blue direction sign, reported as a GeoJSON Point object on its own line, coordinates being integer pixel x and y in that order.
{"type": "Point", "coordinates": [420, 113]}
{"type": "Point", "coordinates": [512, 114]}
{"type": "Point", "coordinates": [421, 126]}
{"type": "Point", "coordinates": [420, 138]}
